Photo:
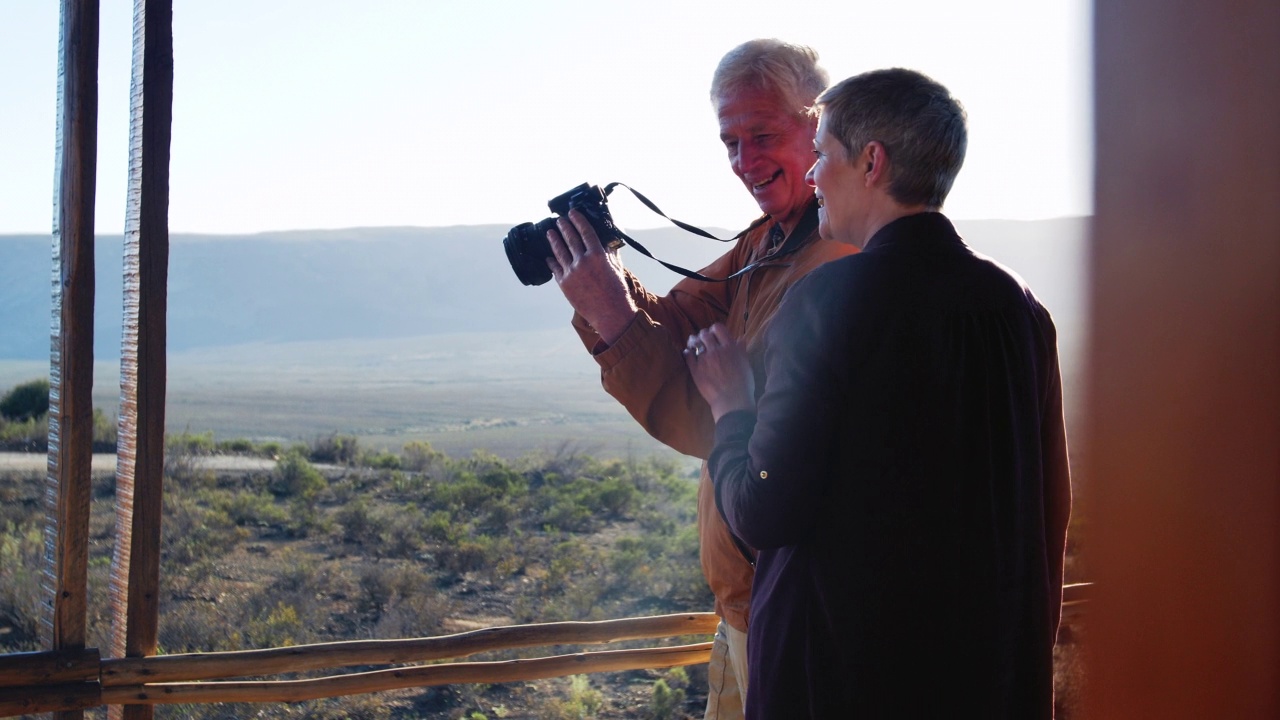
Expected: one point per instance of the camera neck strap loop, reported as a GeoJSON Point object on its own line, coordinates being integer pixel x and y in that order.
{"type": "Point", "coordinates": [808, 223]}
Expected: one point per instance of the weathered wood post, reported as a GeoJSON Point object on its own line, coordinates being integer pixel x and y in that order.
{"type": "Point", "coordinates": [135, 573]}
{"type": "Point", "coordinates": [68, 482]}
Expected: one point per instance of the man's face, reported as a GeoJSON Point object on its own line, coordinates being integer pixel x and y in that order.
{"type": "Point", "coordinates": [841, 189]}
{"type": "Point", "coordinates": [770, 148]}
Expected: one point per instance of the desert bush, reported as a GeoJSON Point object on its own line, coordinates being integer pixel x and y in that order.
{"type": "Point", "coordinates": [239, 446]}
{"type": "Point", "coordinates": [194, 530]}
{"type": "Point", "coordinates": [464, 495]}
{"type": "Point", "coordinates": [295, 477]}
{"type": "Point", "coordinates": [27, 401]}
{"type": "Point", "coordinates": [21, 597]}
{"type": "Point", "coordinates": [419, 456]}
{"type": "Point", "coordinates": [439, 526]}
{"type": "Point", "coordinates": [381, 460]}
{"type": "Point", "coordinates": [194, 444]}
{"type": "Point", "coordinates": [195, 626]}
{"type": "Point", "coordinates": [335, 449]}
{"type": "Point", "coordinates": [666, 702]}
{"type": "Point", "coordinates": [404, 535]}
{"type": "Point", "coordinates": [416, 615]}
{"type": "Point", "coordinates": [471, 553]}
{"type": "Point", "coordinates": [104, 432]}
{"type": "Point", "coordinates": [253, 508]}
{"type": "Point", "coordinates": [360, 524]}
{"type": "Point", "coordinates": [280, 628]}
{"type": "Point", "coordinates": [581, 701]}
{"type": "Point", "coordinates": [30, 435]}
{"type": "Point", "coordinates": [384, 586]}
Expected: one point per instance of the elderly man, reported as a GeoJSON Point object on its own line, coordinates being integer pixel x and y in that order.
{"type": "Point", "coordinates": [761, 92]}
{"type": "Point", "coordinates": [904, 472]}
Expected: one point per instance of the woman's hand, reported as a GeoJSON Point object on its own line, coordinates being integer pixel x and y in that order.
{"type": "Point", "coordinates": [720, 369]}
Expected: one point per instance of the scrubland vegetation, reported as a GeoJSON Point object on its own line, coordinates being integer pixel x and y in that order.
{"type": "Point", "coordinates": [339, 543]}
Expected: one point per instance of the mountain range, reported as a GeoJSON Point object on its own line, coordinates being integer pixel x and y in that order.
{"type": "Point", "coordinates": [319, 285]}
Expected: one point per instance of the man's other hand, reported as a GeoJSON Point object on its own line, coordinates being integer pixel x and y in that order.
{"type": "Point", "coordinates": [590, 277]}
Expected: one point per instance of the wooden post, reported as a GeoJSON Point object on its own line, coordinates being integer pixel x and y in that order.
{"type": "Point", "coordinates": [68, 483]}
{"type": "Point", "coordinates": [1183, 460]}
{"type": "Point", "coordinates": [135, 576]}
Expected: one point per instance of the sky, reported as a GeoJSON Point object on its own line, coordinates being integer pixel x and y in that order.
{"type": "Point", "coordinates": [308, 114]}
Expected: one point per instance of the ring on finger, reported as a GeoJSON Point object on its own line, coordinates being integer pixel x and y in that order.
{"type": "Point", "coordinates": [699, 349]}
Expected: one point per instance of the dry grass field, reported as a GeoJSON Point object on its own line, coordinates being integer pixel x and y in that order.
{"type": "Point", "coordinates": [507, 393]}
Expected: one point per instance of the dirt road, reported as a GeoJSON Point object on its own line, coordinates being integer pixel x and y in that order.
{"type": "Point", "coordinates": [105, 463]}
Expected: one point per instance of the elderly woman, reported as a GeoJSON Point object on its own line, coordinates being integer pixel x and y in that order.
{"type": "Point", "coordinates": [903, 473]}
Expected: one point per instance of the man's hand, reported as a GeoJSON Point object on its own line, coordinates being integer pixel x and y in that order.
{"type": "Point", "coordinates": [590, 277]}
{"type": "Point", "coordinates": [721, 370]}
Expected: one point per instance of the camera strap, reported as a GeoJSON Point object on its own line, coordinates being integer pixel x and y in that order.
{"type": "Point", "coordinates": [793, 242]}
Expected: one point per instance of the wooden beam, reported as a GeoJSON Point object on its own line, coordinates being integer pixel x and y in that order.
{"type": "Point", "coordinates": [208, 666]}
{"type": "Point", "coordinates": [410, 677]}
{"type": "Point", "coordinates": [63, 700]}
{"type": "Point", "coordinates": [49, 668]}
{"type": "Point", "coordinates": [68, 482]}
{"type": "Point", "coordinates": [135, 577]}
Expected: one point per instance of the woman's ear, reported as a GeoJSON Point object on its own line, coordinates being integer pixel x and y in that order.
{"type": "Point", "coordinates": [876, 161]}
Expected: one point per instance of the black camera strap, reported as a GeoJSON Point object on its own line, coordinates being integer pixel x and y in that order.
{"type": "Point", "coordinates": [793, 242]}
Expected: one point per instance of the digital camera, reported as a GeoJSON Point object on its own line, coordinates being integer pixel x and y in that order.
{"type": "Point", "coordinates": [527, 246]}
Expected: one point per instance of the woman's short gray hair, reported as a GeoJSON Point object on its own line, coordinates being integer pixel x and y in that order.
{"type": "Point", "coordinates": [923, 128]}
{"type": "Point", "coordinates": [771, 65]}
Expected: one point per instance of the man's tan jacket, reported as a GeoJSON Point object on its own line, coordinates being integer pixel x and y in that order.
{"type": "Point", "coordinates": [645, 371]}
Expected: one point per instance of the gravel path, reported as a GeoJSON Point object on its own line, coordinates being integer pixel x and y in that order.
{"type": "Point", "coordinates": [12, 461]}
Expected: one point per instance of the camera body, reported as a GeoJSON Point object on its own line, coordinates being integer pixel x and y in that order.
{"type": "Point", "coordinates": [527, 246]}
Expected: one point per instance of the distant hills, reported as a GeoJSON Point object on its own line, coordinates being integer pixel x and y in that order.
{"type": "Point", "coordinates": [318, 285]}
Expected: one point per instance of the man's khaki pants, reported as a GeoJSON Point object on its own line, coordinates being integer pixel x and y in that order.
{"type": "Point", "coordinates": [727, 674]}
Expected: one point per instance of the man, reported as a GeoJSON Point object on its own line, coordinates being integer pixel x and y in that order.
{"type": "Point", "coordinates": [761, 93]}
{"type": "Point", "coordinates": [904, 474]}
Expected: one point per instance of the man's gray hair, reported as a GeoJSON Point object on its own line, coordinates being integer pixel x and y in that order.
{"type": "Point", "coordinates": [921, 126]}
{"type": "Point", "coordinates": [771, 65]}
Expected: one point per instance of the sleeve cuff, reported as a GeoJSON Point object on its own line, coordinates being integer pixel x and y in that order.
{"type": "Point", "coordinates": [733, 433]}
{"type": "Point", "coordinates": [631, 340]}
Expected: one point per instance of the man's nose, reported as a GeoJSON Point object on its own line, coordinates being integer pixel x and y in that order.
{"type": "Point", "coordinates": [748, 155]}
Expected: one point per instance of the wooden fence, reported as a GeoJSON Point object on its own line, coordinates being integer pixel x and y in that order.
{"type": "Point", "coordinates": [70, 680]}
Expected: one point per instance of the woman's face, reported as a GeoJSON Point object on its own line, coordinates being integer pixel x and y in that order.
{"type": "Point", "coordinates": [840, 188]}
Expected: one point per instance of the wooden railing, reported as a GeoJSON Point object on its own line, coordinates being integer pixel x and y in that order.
{"type": "Point", "coordinates": [73, 680]}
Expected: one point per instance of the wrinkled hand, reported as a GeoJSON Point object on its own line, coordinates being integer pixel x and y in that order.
{"type": "Point", "coordinates": [721, 370]}
{"type": "Point", "coordinates": [590, 277]}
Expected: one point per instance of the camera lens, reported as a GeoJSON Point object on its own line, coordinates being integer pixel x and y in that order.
{"type": "Point", "coordinates": [527, 251]}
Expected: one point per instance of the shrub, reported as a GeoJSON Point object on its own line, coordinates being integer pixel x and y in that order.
{"type": "Point", "coordinates": [583, 701]}
{"type": "Point", "coordinates": [185, 442]}
{"type": "Point", "coordinates": [419, 455]}
{"type": "Point", "coordinates": [241, 446]}
{"type": "Point", "coordinates": [665, 702]}
{"type": "Point", "coordinates": [381, 460]}
{"type": "Point", "coordinates": [194, 532]}
{"type": "Point", "coordinates": [21, 597]}
{"type": "Point", "coordinates": [281, 628]}
{"type": "Point", "coordinates": [249, 508]}
{"type": "Point", "coordinates": [27, 401]}
{"type": "Point", "coordinates": [360, 524]}
{"type": "Point", "coordinates": [30, 435]}
{"type": "Point", "coordinates": [295, 477]}
{"type": "Point", "coordinates": [104, 432]}
{"type": "Point", "coordinates": [335, 449]}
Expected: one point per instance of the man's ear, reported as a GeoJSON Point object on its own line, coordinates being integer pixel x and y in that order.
{"type": "Point", "coordinates": [875, 163]}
